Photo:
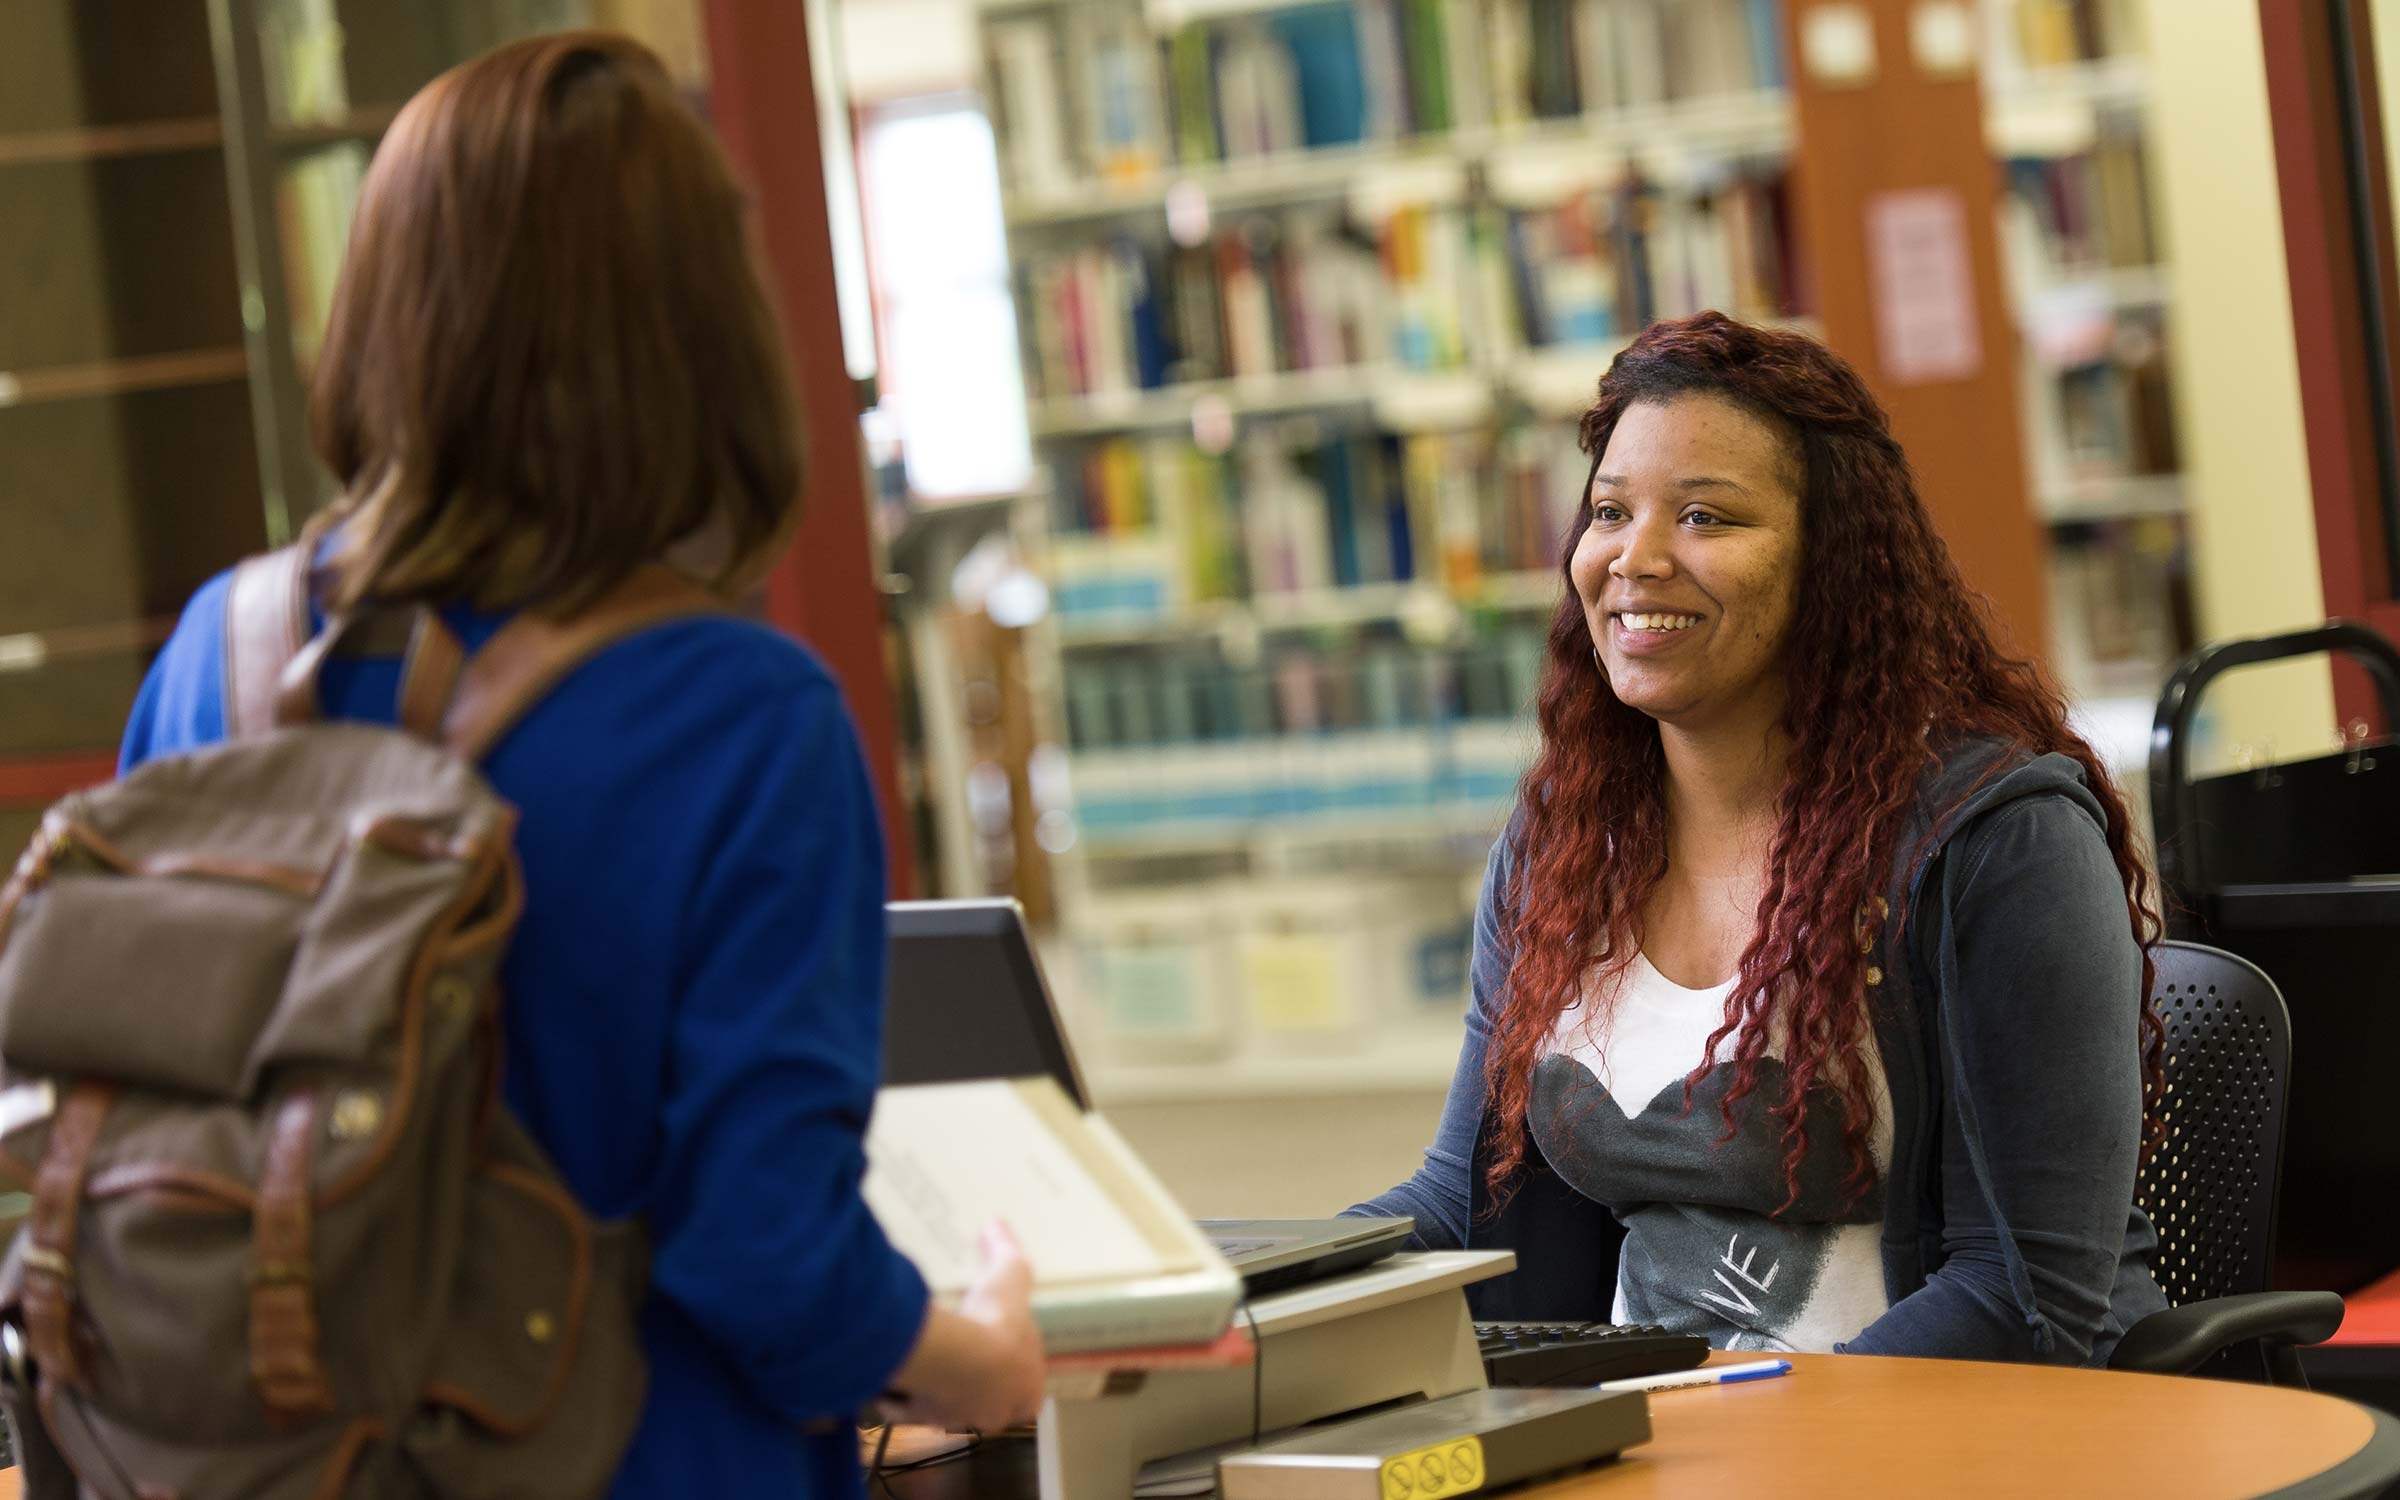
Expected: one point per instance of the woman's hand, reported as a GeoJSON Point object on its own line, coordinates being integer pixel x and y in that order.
{"type": "Point", "coordinates": [979, 1368]}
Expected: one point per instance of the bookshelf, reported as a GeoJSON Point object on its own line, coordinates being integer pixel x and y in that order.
{"type": "Point", "coordinates": [171, 245]}
{"type": "Point", "coordinates": [1752, 122]}
{"type": "Point", "coordinates": [97, 143]}
{"type": "Point", "coordinates": [1249, 687]}
{"type": "Point", "coordinates": [1310, 297]}
{"type": "Point", "coordinates": [120, 368]}
{"type": "Point", "coordinates": [2092, 284]}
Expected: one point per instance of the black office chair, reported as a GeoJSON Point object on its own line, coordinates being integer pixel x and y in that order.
{"type": "Point", "coordinates": [2210, 1189]}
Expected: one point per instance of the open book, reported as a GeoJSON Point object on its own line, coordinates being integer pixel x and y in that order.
{"type": "Point", "coordinates": [1116, 1264]}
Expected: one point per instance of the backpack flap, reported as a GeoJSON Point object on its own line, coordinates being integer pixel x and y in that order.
{"type": "Point", "coordinates": [82, 1005]}
{"type": "Point", "coordinates": [215, 918]}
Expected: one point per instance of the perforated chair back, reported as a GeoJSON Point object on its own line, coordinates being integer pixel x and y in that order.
{"type": "Point", "coordinates": [2210, 1190]}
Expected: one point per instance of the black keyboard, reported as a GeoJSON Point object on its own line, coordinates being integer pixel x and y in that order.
{"type": "Point", "coordinates": [1582, 1353]}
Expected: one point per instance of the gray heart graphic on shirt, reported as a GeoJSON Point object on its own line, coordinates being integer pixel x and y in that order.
{"type": "Point", "coordinates": [1706, 1244]}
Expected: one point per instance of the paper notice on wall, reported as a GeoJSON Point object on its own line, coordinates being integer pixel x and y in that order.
{"type": "Point", "coordinates": [1924, 286]}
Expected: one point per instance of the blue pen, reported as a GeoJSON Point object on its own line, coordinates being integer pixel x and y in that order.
{"type": "Point", "coordinates": [1764, 1369]}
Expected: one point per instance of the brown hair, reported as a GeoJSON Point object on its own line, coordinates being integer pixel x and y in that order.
{"type": "Point", "coordinates": [550, 359]}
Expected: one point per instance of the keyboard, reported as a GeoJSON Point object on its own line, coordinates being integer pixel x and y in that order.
{"type": "Point", "coordinates": [1535, 1354]}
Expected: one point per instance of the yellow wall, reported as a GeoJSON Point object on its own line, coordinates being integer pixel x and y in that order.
{"type": "Point", "coordinates": [2384, 17]}
{"type": "Point", "coordinates": [2237, 380]}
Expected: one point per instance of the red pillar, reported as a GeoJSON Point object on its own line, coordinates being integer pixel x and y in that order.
{"type": "Point", "coordinates": [762, 99]}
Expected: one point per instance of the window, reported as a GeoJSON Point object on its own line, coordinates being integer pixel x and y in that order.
{"type": "Point", "coordinates": [952, 388]}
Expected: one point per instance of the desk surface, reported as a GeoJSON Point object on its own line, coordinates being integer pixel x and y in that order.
{"type": "Point", "coordinates": [1842, 1425]}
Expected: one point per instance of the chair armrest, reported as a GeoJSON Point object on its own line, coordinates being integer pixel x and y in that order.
{"type": "Point", "coordinates": [2176, 1341]}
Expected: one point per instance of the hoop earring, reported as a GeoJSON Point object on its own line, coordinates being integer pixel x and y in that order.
{"type": "Point", "coordinates": [1603, 671]}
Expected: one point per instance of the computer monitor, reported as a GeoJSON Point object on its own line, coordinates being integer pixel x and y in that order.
{"type": "Point", "coordinates": [966, 999]}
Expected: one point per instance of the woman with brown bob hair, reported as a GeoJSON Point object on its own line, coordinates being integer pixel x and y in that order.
{"type": "Point", "coordinates": [551, 365]}
{"type": "Point", "coordinates": [1809, 974]}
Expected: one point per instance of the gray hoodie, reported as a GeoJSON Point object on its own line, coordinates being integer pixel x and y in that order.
{"type": "Point", "coordinates": [2006, 1028]}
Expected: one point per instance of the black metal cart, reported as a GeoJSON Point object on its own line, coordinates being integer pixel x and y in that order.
{"type": "Point", "coordinates": [2296, 867]}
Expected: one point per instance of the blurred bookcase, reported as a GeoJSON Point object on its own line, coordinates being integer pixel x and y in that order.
{"type": "Point", "coordinates": [176, 180]}
{"type": "Point", "coordinates": [124, 441]}
{"type": "Point", "coordinates": [1310, 297]}
{"type": "Point", "coordinates": [2090, 279]}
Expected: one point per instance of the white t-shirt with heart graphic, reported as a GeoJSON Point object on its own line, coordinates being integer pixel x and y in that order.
{"type": "Point", "coordinates": [1705, 1249]}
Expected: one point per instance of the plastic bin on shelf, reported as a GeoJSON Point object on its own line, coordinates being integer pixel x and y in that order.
{"type": "Point", "coordinates": [1306, 964]}
{"type": "Point", "coordinates": [1157, 980]}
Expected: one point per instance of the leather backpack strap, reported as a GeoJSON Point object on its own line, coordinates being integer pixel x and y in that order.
{"type": "Point", "coordinates": [530, 655]}
{"type": "Point", "coordinates": [272, 661]}
{"type": "Point", "coordinates": [48, 1297]}
{"type": "Point", "coordinates": [285, 1363]}
{"type": "Point", "coordinates": [266, 624]}
{"type": "Point", "coordinates": [428, 675]}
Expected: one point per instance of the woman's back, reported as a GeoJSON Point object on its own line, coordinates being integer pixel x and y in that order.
{"type": "Point", "coordinates": [691, 1013]}
{"type": "Point", "coordinates": [549, 365]}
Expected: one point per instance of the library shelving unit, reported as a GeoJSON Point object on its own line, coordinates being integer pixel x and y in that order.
{"type": "Point", "coordinates": [122, 429]}
{"type": "Point", "coordinates": [177, 177]}
{"type": "Point", "coordinates": [2090, 281]}
{"type": "Point", "coordinates": [1310, 297]}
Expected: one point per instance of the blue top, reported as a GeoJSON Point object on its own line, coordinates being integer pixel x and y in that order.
{"type": "Point", "coordinates": [2005, 1028]}
{"type": "Point", "coordinates": [694, 1015]}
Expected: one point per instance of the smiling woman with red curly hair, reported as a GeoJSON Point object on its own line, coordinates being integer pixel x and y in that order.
{"type": "Point", "coordinates": [1809, 976]}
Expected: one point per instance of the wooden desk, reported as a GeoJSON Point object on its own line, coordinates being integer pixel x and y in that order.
{"type": "Point", "coordinates": [1842, 1426]}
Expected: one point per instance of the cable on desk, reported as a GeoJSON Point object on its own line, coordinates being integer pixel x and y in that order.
{"type": "Point", "coordinates": [879, 1475]}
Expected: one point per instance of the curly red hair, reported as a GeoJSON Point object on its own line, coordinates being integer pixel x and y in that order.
{"type": "Point", "coordinates": [1890, 655]}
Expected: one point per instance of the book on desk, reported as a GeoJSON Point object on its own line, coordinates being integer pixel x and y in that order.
{"type": "Point", "coordinates": [1116, 1263]}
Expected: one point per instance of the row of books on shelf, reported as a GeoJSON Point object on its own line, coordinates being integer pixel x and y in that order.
{"type": "Point", "coordinates": [1552, 59]}
{"type": "Point", "coordinates": [1189, 742]}
{"type": "Point", "coordinates": [2087, 210]}
{"type": "Point", "coordinates": [1418, 779]}
{"type": "Point", "coordinates": [2114, 405]}
{"type": "Point", "coordinates": [2121, 605]}
{"type": "Point", "coordinates": [2054, 33]}
{"type": "Point", "coordinates": [1375, 683]}
{"type": "Point", "coordinates": [1150, 527]}
{"type": "Point", "coordinates": [1605, 262]}
{"type": "Point", "coordinates": [1426, 287]}
{"type": "Point", "coordinates": [1090, 93]}
{"type": "Point", "coordinates": [1295, 293]}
